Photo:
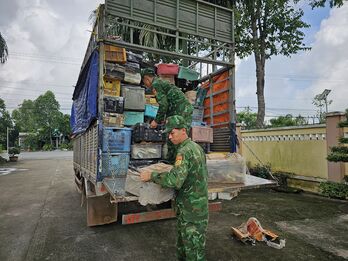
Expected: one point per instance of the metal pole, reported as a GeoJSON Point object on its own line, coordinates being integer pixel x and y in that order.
{"type": "Point", "coordinates": [232, 94]}
{"type": "Point", "coordinates": [7, 136]}
{"type": "Point", "coordinates": [326, 109]}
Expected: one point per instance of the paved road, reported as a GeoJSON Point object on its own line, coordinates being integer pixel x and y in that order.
{"type": "Point", "coordinates": [56, 154]}
{"type": "Point", "coordinates": [41, 219]}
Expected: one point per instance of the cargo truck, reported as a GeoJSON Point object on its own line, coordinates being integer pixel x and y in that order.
{"type": "Point", "coordinates": [201, 38]}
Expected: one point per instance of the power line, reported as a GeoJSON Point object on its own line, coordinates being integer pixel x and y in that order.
{"type": "Point", "coordinates": [288, 77]}
{"type": "Point", "coordinates": [268, 108]}
{"type": "Point", "coordinates": [36, 82]}
{"type": "Point", "coordinates": [50, 56]}
{"type": "Point", "coordinates": [33, 90]}
{"type": "Point", "coordinates": [44, 60]}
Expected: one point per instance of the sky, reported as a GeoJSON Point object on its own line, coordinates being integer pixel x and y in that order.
{"type": "Point", "coordinates": [47, 40]}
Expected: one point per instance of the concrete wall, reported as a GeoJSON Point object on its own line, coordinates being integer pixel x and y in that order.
{"type": "Point", "coordinates": [299, 150]}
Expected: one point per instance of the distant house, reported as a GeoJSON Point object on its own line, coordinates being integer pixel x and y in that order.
{"type": "Point", "coordinates": [21, 138]}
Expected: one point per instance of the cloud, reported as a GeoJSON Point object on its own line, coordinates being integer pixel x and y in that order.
{"type": "Point", "coordinates": [292, 83]}
{"type": "Point", "coordinates": [47, 41]}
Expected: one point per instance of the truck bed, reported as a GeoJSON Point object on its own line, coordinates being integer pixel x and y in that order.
{"type": "Point", "coordinates": [115, 186]}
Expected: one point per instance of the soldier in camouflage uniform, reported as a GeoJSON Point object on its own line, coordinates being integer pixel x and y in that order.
{"type": "Point", "coordinates": [189, 177]}
{"type": "Point", "coordinates": [171, 100]}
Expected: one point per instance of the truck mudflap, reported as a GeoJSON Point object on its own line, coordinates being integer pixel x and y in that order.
{"type": "Point", "coordinates": [100, 209]}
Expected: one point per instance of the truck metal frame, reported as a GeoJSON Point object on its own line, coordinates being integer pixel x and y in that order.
{"type": "Point", "coordinates": [193, 22]}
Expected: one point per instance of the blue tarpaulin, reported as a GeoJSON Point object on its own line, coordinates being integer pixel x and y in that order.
{"type": "Point", "coordinates": [84, 108]}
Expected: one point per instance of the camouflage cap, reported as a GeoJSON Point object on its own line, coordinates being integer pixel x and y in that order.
{"type": "Point", "coordinates": [175, 122]}
{"type": "Point", "coordinates": [147, 71]}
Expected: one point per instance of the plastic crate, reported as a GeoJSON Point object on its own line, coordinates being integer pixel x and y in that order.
{"type": "Point", "coordinates": [115, 54]}
{"type": "Point", "coordinates": [133, 57]}
{"type": "Point", "coordinates": [133, 117]}
{"type": "Point", "coordinates": [167, 68]}
{"type": "Point", "coordinates": [112, 87]}
{"type": "Point", "coordinates": [146, 151]}
{"type": "Point", "coordinates": [168, 77]}
{"type": "Point", "coordinates": [113, 119]}
{"type": "Point", "coordinates": [132, 67]}
{"type": "Point", "coordinates": [202, 134]}
{"type": "Point", "coordinates": [198, 113]}
{"type": "Point", "coordinates": [113, 70]}
{"type": "Point", "coordinates": [114, 104]}
{"type": "Point", "coordinates": [188, 74]}
{"type": "Point", "coordinates": [131, 77]}
{"type": "Point", "coordinates": [113, 165]}
{"type": "Point", "coordinates": [151, 110]}
{"type": "Point", "coordinates": [151, 99]}
{"type": "Point", "coordinates": [143, 132]}
{"type": "Point", "coordinates": [116, 140]}
{"type": "Point", "coordinates": [134, 97]}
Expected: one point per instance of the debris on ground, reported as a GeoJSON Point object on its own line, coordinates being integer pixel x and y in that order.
{"type": "Point", "coordinates": [252, 231]}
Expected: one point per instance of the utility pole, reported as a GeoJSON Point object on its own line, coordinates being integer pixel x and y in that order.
{"type": "Point", "coordinates": [323, 97]}
{"type": "Point", "coordinates": [7, 139]}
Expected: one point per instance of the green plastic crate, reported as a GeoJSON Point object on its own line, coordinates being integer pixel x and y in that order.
{"type": "Point", "coordinates": [133, 117]}
{"type": "Point", "coordinates": [188, 74]}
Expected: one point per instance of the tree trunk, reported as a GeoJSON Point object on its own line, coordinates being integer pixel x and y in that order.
{"type": "Point", "coordinates": [260, 86]}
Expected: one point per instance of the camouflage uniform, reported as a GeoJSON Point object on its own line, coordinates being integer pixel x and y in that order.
{"type": "Point", "coordinates": [172, 101]}
{"type": "Point", "coordinates": [189, 177]}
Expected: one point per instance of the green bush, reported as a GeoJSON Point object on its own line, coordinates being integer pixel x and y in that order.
{"type": "Point", "coordinates": [13, 151]}
{"type": "Point", "coordinates": [32, 142]}
{"type": "Point", "coordinates": [261, 171]}
{"type": "Point", "coordinates": [47, 147]}
{"type": "Point", "coordinates": [334, 190]}
{"type": "Point", "coordinates": [66, 146]}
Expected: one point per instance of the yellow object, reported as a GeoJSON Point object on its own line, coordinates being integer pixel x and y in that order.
{"type": "Point", "coordinates": [151, 99]}
{"type": "Point", "coordinates": [112, 87]}
{"type": "Point", "coordinates": [115, 54]}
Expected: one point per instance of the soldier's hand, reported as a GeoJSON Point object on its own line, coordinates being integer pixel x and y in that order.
{"type": "Point", "coordinates": [153, 124]}
{"type": "Point", "coordinates": [145, 175]}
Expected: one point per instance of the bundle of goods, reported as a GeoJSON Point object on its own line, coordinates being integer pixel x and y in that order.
{"type": "Point", "coordinates": [230, 168]}
{"type": "Point", "coordinates": [148, 192]}
{"type": "Point", "coordinates": [191, 96]}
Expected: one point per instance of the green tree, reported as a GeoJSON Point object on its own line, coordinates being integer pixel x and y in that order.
{"type": "Point", "coordinates": [3, 50]}
{"type": "Point", "coordinates": [321, 3]}
{"type": "Point", "coordinates": [287, 120]}
{"type": "Point", "coordinates": [265, 29]}
{"type": "Point", "coordinates": [5, 122]}
{"type": "Point", "coordinates": [24, 117]}
{"type": "Point", "coordinates": [247, 118]}
{"type": "Point", "coordinates": [47, 114]}
{"type": "Point", "coordinates": [41, 118]}
{"type": "Point", "coordinates": [320, 104]}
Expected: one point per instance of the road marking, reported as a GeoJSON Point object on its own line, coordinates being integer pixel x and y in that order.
{"type": "Point", "coordinates": [6, 171]}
